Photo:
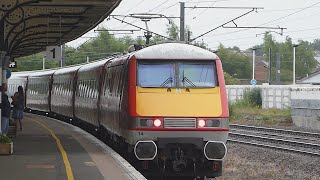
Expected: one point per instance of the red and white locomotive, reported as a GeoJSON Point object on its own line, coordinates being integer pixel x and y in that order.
{"type": "Point", "coordinates": [166, 105]}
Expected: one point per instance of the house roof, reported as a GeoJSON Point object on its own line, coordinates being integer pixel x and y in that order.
{"type": "Point", "coordinates": [313, 78]}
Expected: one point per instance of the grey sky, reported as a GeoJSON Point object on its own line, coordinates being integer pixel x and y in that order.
{"type": "Point", "coordinates": [300, 17]}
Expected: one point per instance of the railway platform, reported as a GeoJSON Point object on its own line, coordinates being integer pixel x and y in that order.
{"type": "Point", "coordinates": [53, 150]}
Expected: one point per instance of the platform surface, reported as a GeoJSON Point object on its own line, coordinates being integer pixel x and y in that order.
{"type": "Point", "coordinates": [48, 149]}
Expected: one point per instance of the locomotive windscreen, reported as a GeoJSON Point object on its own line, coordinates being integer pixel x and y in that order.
{"type": "Point", "coordinates": [177, 74]}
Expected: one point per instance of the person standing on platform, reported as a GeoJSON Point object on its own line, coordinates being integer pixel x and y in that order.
{"type": "Point", "coordinates": [18, 106]}
{"type": "Point", "coordinates": [5, 109]}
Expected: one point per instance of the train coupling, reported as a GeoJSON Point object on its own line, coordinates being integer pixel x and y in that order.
{"type": "Point", "coordinates": [145, 150]}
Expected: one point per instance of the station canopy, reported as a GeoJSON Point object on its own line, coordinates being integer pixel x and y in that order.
{"type": "Point", "coordinates": [28, 26]}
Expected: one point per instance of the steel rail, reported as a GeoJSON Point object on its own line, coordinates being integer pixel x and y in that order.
{"type": "Point", "coordinates": [274, 147]}
{"type": "Point", "coordinates": [276, 134]}
{"type": "Point", "coordinates": [274, 139]}
{"type": "Point", "coordinates": [300, 133]}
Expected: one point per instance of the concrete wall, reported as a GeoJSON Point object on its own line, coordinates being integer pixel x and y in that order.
{"type": "Point", "coordinates": [273, 96]}
{"type": "Point", "coordinates": [304, 100]}
{"type": "Point", "coordinates": [305, 104]}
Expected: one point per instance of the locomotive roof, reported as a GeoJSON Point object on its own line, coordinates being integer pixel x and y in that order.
{"type": "Point", "coordinates": [175, 51]}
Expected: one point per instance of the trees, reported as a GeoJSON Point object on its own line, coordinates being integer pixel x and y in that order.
{"type": "Point", "coordinates": [305, 62]}
{"type": "Point", "coordinates": [235, 63]}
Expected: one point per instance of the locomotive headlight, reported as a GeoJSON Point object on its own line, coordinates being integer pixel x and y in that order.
{"type": "Point", "coordinates": [150, 122]}
{"type": "Point", "coordinates": [207, 123]}
{"type": "Point", "coordinates": [201, 123]}
{"type": "Point", "coordinates": [157, 122]}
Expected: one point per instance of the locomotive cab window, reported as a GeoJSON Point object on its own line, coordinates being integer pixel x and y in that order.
{"type": "Point", "coordinates": [197, 75]}
{"type": "Point", "coordinates": [181, 74]}
{"type": "Point", "coordinates": [156, 75]}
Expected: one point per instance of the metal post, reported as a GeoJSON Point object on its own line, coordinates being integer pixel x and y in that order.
{"type": "Point", "coordinates": [253, 61]}
{"type": "Point", "coordinates": [147, 34]}
{"type": "Point", "coordinates": [6, 63]}
{"type": "Point", "coordinates": [43, 62]}
{"type": "Point", "coordinates": [2, 57]}
{"type": "Point", "coordinates": [278, 68]}
{"type": "Point", "coordinates": [294, 64]}
{"type": "Point", "coordinates": [2, 44]}
{"type": "Point", "coordinates": [270, 67]}
{"type": "Point", "coordinates": [62, 54]}
{"type": "Point", "coordinates": [182, 6]}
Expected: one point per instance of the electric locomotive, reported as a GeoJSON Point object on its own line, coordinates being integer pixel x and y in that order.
{"type": "Point", "coordinates": [178, 109]}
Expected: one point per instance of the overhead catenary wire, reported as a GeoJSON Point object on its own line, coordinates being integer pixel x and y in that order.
{"type": "Point", "coordinates": [290, 14]}
{"type": "Point", "coordinates": [300, 10]}
{"type": "Point", "coordinates": [150, 11]}
{"type": "Point", "coordinates": [204, 10]}
{"type": "Point", "coordinates": [142, 28]}
{"type": "Point", "coordinates": [223, 24]}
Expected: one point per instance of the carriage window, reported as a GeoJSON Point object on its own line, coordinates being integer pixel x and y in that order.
{"type": "Point", "coordinates": [156, 75]}
{"type": "Point", "coordinates": [197, 75]}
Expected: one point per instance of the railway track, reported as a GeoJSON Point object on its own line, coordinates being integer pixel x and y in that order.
{"type": "Point", "coordinates": [281, 139]}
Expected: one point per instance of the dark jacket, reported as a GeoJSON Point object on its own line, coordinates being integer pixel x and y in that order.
{"type": "Point", "coordinates": [5, 106]}
{"type": "Point", "coordinates": [18, 101]}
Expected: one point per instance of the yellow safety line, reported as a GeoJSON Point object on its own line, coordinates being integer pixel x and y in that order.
{"type": "Point", "coordinates": [62, 151]}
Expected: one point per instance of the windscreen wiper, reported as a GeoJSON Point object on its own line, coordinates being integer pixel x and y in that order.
{"type": "Point", "coordinates": [188, 81]}
{"type": "Point", "coordinates": [167, 81]}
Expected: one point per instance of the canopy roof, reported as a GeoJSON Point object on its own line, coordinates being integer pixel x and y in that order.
{"type": "Point", "coordinates": [28, 26]}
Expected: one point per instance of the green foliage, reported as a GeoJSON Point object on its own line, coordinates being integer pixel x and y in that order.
{"type": "Point", "coordinates": [173, 31]}
{"type": "Point", "coordinates": [4, 139]}
{"type": "Point", "coordinates": [200, 44]}
{"type": "Point", "coordinates": [242, 114]}
{"type": "Point", "coordinates": [305, 62]}
{"type": "Point", "coordinates": [34, 62]}
{"type": "Point", "coordinates": [99, 47]}
{"type": "Point", "coordinates": [251, 98]}
{"type": "Point", "coordinates": [229, 80]}
{"type": "Point", "coordinates": [236, 64]}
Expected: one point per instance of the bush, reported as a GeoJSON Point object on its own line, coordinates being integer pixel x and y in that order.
{"type": "Point", "coordinates": [4, 139]}
{"type": "Point", "coordinates": [230, 80]}
{"type": "Point", "coordinates": [253, 97]}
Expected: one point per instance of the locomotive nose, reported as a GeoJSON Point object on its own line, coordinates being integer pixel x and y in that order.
{"type": "Point", "coordinates": [215, 150]}
{"type": "Point", "coordinates": [145, 150]}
